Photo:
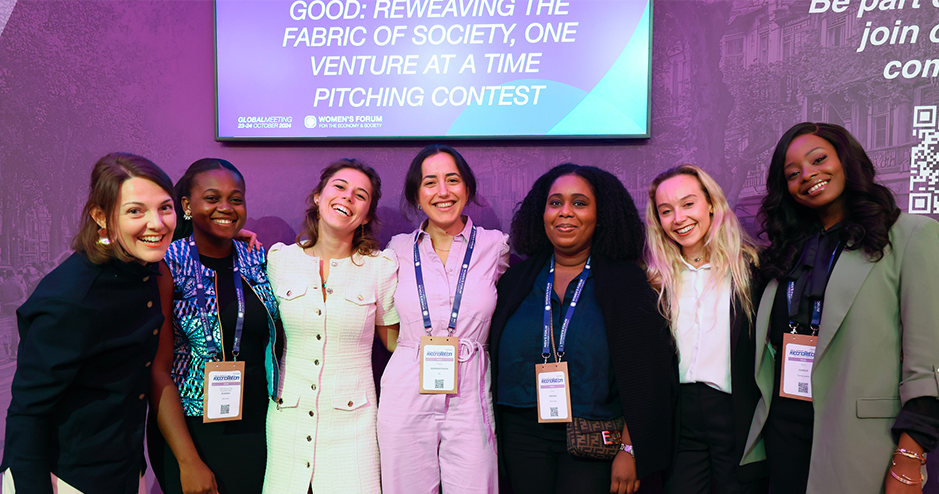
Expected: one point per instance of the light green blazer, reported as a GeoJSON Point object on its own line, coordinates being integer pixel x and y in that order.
{"type": "Point", "coordinates": [878, 347]}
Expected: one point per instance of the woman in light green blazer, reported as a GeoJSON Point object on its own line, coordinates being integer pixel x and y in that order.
{"type": "Point", "coordinates": [848, 267]}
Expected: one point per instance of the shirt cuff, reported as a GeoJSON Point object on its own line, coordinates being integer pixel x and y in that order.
{"type": "Point", "coordinates": [920, 419]}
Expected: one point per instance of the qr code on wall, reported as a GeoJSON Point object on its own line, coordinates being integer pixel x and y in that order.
{"type": "Point", "coordinates": [924, 162]}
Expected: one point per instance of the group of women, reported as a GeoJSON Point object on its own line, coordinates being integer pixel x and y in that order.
{"type": "Point", "coordinates": [806, 365]}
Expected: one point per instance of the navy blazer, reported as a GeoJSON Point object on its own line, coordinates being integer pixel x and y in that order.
{"type": "Point", "coordinates": [641, 349]}
{"type": "Point", "coordinates": [88, 335]}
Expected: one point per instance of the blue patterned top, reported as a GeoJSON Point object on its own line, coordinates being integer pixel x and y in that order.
{"type": "Point", "coordinates": [189, 351]}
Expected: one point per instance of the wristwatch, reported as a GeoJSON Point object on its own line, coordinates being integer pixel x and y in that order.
{"type": "Point", "coordinates": [627, 448]}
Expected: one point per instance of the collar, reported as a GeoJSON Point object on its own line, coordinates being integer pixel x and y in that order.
{"type": "Point", "coordinates": [465, 233]}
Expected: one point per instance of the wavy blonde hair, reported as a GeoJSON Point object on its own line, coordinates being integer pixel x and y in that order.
{"type": "Point", "coordinates": [729, 247]}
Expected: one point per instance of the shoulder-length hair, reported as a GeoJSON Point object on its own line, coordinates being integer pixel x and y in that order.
{"type": "Point", "coordinates": [870, 209]}
{"type": "Point", "coordinates": [104, 192]}
{"type": "Point", "coordinates": [729, 248]}
{"type": "Point", "coordinates": [184, 189]}
{"type": "Point", "coordinates": [364, 241]}
{"type": "Point", "coordinates": [415, 174]}
{"type": "Point", "coordinates": [619, 233]}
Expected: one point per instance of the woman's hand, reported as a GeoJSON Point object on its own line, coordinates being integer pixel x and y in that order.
{"type": "Point", "coordinates": [624, 480]}
{"type": "Point", "coordinates": [196, 478]}
{"type": "Point", "coordinates": [250, 237]}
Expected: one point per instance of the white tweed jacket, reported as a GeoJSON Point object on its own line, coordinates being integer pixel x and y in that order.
{"type": "Point", "coordinates": [323, 428]}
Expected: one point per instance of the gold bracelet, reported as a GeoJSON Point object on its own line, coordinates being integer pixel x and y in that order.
{"type": "Point", "coordinates": [911, 454]}
{"type": "Point", "coordinates": [903, 479]}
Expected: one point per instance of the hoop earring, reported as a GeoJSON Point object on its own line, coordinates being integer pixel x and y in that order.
{"type": "Point", "coordinates": [187, 215]}
{"type": "Point", "coordinates": [103, 237]}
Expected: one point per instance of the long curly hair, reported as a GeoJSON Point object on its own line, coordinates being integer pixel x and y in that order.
{"type": "Point", "coordinates": [728, 246]}
{"type": "Point", "coordinates": [870, 209]}
{"type": "Point", "coordinates": [364, 241]}
{"type": "Point", "coordinates": [619, 233]}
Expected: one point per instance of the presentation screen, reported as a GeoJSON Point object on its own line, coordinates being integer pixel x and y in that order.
{"type": "Point", "coordinates": [413, 69]}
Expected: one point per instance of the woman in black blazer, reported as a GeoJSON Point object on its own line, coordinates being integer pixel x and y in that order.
{"type": "Point", "coordinates": [88, 336]}
{"type": "Point", "coordinates": [581, 220]}
{"type": "Point", "coordinates": [701, 262]}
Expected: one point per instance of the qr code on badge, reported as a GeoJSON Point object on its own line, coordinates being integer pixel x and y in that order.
{"type": "Point", "coordinates": [924, 162]}
{"type": "Point", "coordinates": [553, 411]}
{"type": "Point", "coordinates": [803, 387]}
{"type": "Point", "coordinates": [224, 409]}
{"type": "Point", "coordinates": [438, 383]}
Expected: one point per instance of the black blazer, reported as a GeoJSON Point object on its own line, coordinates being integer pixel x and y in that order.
{"type": "Point", "coordinates": [745, 393]}
{"type": "Point", "coordinates": [641, 348]}
{"type": "Point", "coordinates": [88, 335]}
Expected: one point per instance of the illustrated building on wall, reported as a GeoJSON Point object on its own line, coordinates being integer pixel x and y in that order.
{"type": "Point", "coordinates": [788, 65]}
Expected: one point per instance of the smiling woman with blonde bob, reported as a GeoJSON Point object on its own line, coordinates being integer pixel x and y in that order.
{"type": "Point", "coordinates": [701, 263]}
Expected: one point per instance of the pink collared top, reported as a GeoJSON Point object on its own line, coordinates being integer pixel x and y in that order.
{"type": "Point", "coordinates": [490, 260]}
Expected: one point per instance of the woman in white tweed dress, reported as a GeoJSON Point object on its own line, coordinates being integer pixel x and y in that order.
{"type": "Point", "coordinates": [335, 290]}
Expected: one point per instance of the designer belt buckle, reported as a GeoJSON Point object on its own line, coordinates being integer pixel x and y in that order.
{"type": "Point", "coordinates": [612, 437]}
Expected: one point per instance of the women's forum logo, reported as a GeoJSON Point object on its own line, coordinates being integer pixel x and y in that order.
{"type": "Point", "coordinates": [309, 121]}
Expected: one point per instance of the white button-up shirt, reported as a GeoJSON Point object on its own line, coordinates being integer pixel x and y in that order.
{"type": "Point", "coordinates": [702, 328]}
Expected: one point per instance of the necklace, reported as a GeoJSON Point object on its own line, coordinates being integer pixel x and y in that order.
{"type": "Point", "coordinates": [693, 260]}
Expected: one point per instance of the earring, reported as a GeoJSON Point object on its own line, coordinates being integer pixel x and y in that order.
{"type": "Point", "coordinates": [419, 208]}
{"type": "Point", "coordinates": [103, 237]}
{"type": "Point", "coordinates": [187, 215]}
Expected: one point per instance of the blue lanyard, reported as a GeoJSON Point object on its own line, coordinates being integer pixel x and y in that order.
{"type": "Point", "coordinates": [460, 284]}
{"type": "Point", "coordinates": [200, 295]}
{"type": "Point", "coordinates": [816, 306]}
{"type": "Point", "coordinates": [548, 323]}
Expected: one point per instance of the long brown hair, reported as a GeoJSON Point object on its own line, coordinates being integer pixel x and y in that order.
{"type": "Point", "coordinates": [107, 177]}
{"type": "Point", "coordinates": [364, 241]}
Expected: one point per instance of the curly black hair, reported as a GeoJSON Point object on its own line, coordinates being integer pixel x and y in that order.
{"type": "Point", "coordinates": [619, 234]}
{"type": "Point", "coordinates": [184, 189]}
{"type": "Point", "coordinates": [870, 208]}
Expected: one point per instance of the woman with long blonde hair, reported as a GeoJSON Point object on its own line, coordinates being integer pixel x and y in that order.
{"type": "Point", "coordinates": [700, 261]}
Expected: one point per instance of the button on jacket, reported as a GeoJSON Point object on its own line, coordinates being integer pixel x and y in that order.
{"type": "Point", "coordinates": [88, 335]}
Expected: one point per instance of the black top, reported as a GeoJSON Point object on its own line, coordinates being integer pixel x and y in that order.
{"type": "Point", "coordinates": [644, 358]}
{"type": "Point", "coordinates": [254, 335]}
{"type": "Point", "coordinates": [88, 336]}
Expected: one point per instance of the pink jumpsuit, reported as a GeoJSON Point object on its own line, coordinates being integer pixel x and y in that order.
{"type": "Point", "coordinates": [428, 441]}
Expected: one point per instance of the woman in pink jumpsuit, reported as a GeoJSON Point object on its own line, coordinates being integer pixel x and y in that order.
{"type": "Point", "coordinates": [434, 441]}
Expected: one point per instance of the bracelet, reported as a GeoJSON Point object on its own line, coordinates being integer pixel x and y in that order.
{"type": "Point", "coordinates": [911, 454]}
{"type": "Point", "coordinates": [903, 479]}
{"type": "Point", "coordinates": [627, 448]}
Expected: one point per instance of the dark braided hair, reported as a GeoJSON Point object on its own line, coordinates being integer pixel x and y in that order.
{"type": "Point", "coordinates": [184, 189]}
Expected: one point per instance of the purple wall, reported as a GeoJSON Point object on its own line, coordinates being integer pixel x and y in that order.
{"type": "Point", "coordinates": [79, 79]}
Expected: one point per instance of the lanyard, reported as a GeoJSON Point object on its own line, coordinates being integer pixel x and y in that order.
{"type": "Point", "coordinates": [461, 282]}
{"type": "Point", "coordinates": [549, 323]}
{"type": "Point", "coordinates": [816, 305]}
{"type": "Point", "coordinates": [200, 295]}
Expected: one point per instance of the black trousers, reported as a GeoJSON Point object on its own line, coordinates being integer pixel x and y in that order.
{"type": "Point", "coordinates": [537, 462]}
{"type": "Point", "coordinates": [787, 436]}
{"type": "Point", "coordinates": [706, 454]}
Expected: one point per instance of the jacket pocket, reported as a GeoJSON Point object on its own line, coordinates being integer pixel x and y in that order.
{"type": "Point", "coordinates": [290, 292]}
{"type": "Point", "coordinates": [288, 400]}
{"type": "Point", "coordinates": [878, 408]}
{"type": "Point", "coordinates": [359, 297]}
{"type": "Point", "coordinates": [350, 401]}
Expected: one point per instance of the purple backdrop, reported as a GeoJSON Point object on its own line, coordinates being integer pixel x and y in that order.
{"type": "Point", "coordinates": [81, 78]}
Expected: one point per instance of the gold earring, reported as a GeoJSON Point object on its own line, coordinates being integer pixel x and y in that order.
{"type": "Point", "coordinates": [187, 215]}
